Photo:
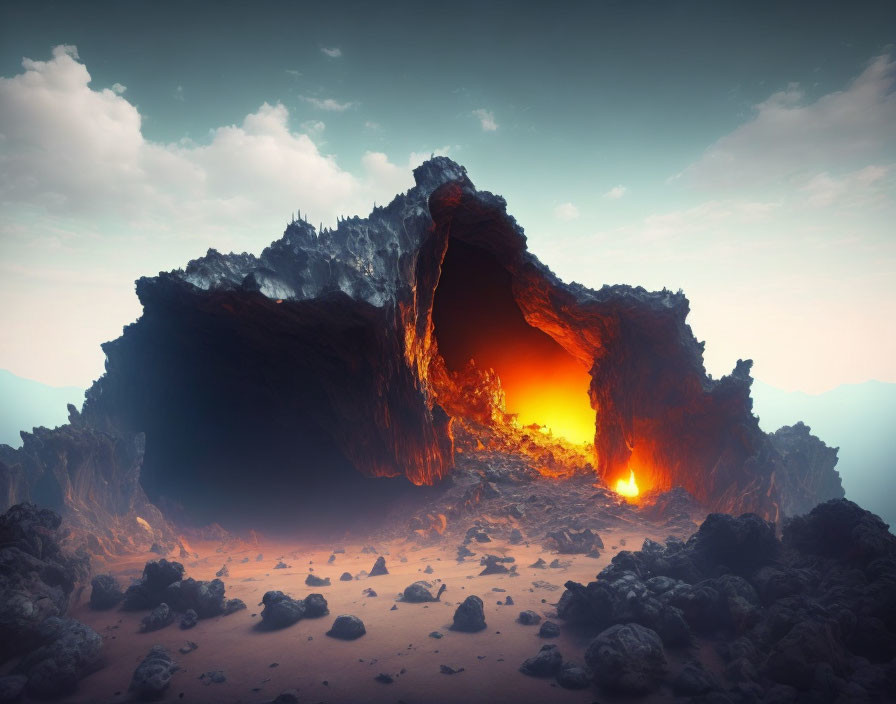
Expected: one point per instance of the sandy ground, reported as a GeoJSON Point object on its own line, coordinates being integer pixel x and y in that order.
{"type": "Point", "coordinates": [397, 642]}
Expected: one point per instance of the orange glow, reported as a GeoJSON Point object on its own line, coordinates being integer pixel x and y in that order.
{"type": "Point", "coordinates": [629, 488]}
{"type": "Point", "coordinates": [550, 393]}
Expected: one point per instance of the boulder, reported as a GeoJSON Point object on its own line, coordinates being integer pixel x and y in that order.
{"type": "Point", "coordinates": [280, 610]}
{"type": "Point", "coordinates": [379, 567]}
{"type": "Point", "coordinates": [546, 663]}
{"type": "Point", "coordinates": [627, 658]}
{"type": "Point", "coordinates": [347, 628]}
{"type": "Point", "coordinates": [315, 606]}
{"type": "Point", "coordinates": [105, 592]}
{"type": "Point", "coordinates": [469, 616]}
{"type": "Point", "coordinates": [153, 676]}
{"type": "Point", "coordinates": [529, 618]}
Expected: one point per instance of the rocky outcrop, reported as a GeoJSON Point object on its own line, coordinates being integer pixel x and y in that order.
{"type": "Point", "coordinates": [322, 351]}
{"type": "Point", "coordinates": [92, 479]}
{"type": "Point", "coordinates": [812, 615]}
{"type": "Point", "coordinates": [37, 579]}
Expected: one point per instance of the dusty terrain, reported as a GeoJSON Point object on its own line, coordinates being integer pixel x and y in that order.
{"type": "Point", "coordinates": [260, 664]}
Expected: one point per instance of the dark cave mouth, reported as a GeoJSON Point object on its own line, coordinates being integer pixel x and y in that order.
{"type": "Point", "coordinates": [476, 317]}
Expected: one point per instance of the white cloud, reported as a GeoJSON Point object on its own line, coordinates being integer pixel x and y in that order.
{"type": "Point", "coordinates": [328, 104]}
{"type": "Point", "coordinates": [486, 119]}
{"type": "Point", "coordinates": [118, 88]}
{"type": "Point", "coordinates": [616, 192]}
{"type": "Point", "coordinates": [566, 212]}
{"type": "Point", "coordinates": [790, 140]}
{"type": "Point", "coordinates": [314, 127]}
{"type": "Point", "coordinates": [372, 126]}
{"type": "Point", "coordinates": [293, 72]}
{"type": "Point", "coordinates": [179, 93]}
{"type": "Point", "coordinates": [82, 189]}
{"type": "Point", "coordinates": [855, 189]}
{"type": "Point", "coordinates": [334, 52]}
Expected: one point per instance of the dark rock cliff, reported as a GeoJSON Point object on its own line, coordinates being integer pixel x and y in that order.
{"type": "Point", "coordinates": [264, 383]}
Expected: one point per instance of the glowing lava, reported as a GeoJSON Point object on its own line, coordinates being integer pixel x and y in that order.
{"type": "Point", "coordinates": [629, 488]}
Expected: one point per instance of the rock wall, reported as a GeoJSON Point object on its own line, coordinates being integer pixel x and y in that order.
{"type": "Point", "coordinates": [264, 383]}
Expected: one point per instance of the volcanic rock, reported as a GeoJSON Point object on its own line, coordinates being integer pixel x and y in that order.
{"type": "Point", "coordinates": [515, 537]}
{"type": "Point", "coordinates": [417, 593]}
{"type": "Point", "coordinates": [346, 577]}
{"type": "Point", "coordinates": [469, 616]}
{"type": "Point", "coordinates": [280, 610]}
{"type": "Point", "coordinates": [312, 580]}
{"type": "Point", "coordinates": [493, 565]}
{"type": "Point", "coordinates": [315, 606]}
{"type": "Point", "coordinates": [546, 663]}
{"type": "Point", "coordinates": [347, 628]}
{"type": "Point", "coordinates": [529, 618]}
{"type": "Point", "coordinates": [71, 650]}
{"type": "Point", "coordinates": [149, 591]}
{"type": "Point", "coordinates": [153, 676]}
{"type": "Point", "coordinates": [11, 687]}
{"type": "Point", "coordinates": [379, 567]}
{"type": "Point", "coordinates": [189, 619]}
{"type": "Point", "coordinates": [572, 676]}
{"type": "Point", "coordinates": [627, 658]}
{"type": "Point", "coordinates": [158, 618]}
{"type": "Point", "coordinates": [105, 592]}
{"type": "Point", "coordinates": [569, 541]}
{"type": "Point", "coordinates": [549, 629]}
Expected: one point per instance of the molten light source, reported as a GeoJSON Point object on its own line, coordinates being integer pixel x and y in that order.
{"type": "Point", "coordinates": [627, 488]}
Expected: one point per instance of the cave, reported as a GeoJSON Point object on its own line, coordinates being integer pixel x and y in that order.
{"type": "Point", "coordinates": [476, 317]}
{"type": "Point", "coordinates": [321, 382]}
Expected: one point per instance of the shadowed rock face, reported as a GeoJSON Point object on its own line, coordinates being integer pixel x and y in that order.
{"type": "Point", "coordinates": [265, 385]}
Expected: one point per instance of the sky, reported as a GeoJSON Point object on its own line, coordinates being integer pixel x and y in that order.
{"type": "Point", "coordinates": [743, 152]}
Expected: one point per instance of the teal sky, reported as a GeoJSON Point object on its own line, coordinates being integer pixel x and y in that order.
{"type": "Point", "coordinates": [745, 152]}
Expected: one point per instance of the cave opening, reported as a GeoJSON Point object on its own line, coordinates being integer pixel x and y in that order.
{"type": "Point", "coordinates": [476, 317]}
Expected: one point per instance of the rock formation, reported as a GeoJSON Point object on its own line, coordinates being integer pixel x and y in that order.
{"type": "Point", "coordinates": [321, 362]}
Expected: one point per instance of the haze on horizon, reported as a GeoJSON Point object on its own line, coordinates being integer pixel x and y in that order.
{"type": "Point", "coordinates": [744, 154]}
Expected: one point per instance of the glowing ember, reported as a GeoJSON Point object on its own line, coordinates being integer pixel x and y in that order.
{"type": "Point", "coordinates": [627, 488]}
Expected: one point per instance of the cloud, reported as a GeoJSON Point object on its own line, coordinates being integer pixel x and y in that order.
{"type": "Point", "coordinates": [566, 212]}
{"type": "Point", "coordinates": [313, 127]}
{"type": "Point", "coordinates": [486, 119]}
{"type": "Point", "coordinates": [859, 188]}
{"type": "Point", "coordinates": [118, 88]}
{"type": "Point", "coordinates": [372, 126]}
{"type": "Point", "coordinates": [179, 93]}
{"type": "Point", "coordinates": [616, 192]}
{"type": "Point", "coordinates": [293, 72]}
{"type": "Point", "coordinates": [328, 104]}
{"type": "Point", "coordinates": [334, 52]}
{"type": "Point", "coordinates": [82, 189]}
{"type": "Point", "coordinates": [790, 139]}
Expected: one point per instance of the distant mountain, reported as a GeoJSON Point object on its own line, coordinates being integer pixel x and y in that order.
{"type": "Point", "coordinates": [860, 419]}
{"type": "Point", "coordinates": [25, 404]}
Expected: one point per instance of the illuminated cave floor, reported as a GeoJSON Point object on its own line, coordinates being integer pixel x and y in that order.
{"type": "Point", "coordinates": [397, 642]}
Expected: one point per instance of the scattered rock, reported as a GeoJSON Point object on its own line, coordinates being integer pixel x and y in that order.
{"type": "Point", "coordinates": [569, 541]}
{"type": "Point", "coordinates": [529, 618]}
{"type": "Point", "coordinates": [539, 564]}
{"type": "Point", "coordinates": [572, 676]}
{"type": "Point", "coordinates": [223, 572]}
{"type": "Point", "coordinates": [158, 618]}
{"type": "Point", "coordinates": [105, 592]}
{"type": "Point", "coordinates": [153, 676]}
{"type": "Point", "coordinates": [449, 670]}
{"type": "Point", "coordinates": [188, 647]}
{"type": "Point", "coordinates": [469, 616]}
{"type": "Point", "coordinates": [280, 610]}
{"type": "Point", "coordinates": [315, 606]}
{"type": "Point", "coordinates": [379, 567]}
{"type": "Point", "coordinates": [418, 593]}
{"type": "Point", "coordinates": [312, 580]}
{"type": "Point", "coordinates": [428, 569]}
{"type": "Point", "coordinates": [516, 537]}
{"type": "Point", "coordinates": [71, 650]}
{"type": "Point", "coordinates": [346, 577]}
{"type": "Point", "coordinates": [546, 663]}
{"type": "Point", "coordinates": [347, 628]}
{"type": "Point", "coordinates": [627, 658]}
{"type": "Point", "coordinates": [694, 679]}
{"type": "Point", "coordinates": [189, 619]}
{"type": "Point", "coordinates": [549, 629]}
{"type": "Point", "coordinates": [384, 678]}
